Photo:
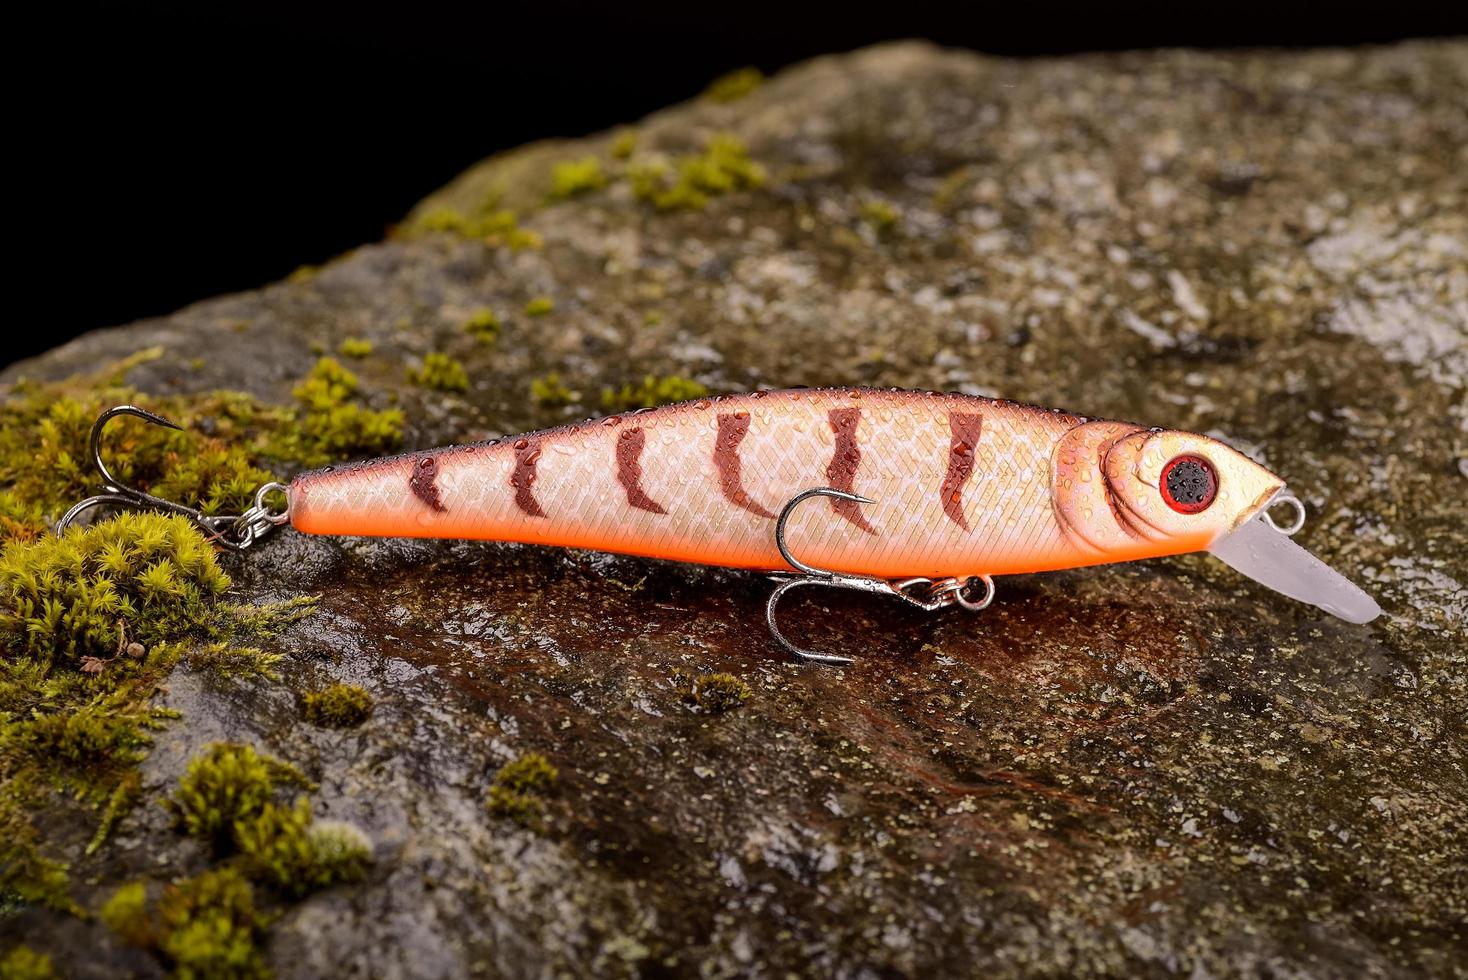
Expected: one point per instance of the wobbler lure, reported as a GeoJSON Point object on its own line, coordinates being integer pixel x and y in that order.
{"type": "Point", "coordinates": [928, 495]}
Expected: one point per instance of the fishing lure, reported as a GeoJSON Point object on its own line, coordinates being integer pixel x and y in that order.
{"type": "Point", "coordinates": [928, 496]}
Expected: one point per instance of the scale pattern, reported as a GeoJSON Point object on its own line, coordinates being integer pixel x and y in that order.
{"type": "Point", "coordinates": [962, 486]}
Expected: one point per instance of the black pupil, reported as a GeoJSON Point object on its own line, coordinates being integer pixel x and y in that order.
{"type": "Point", "coordinates": [1188, 482]}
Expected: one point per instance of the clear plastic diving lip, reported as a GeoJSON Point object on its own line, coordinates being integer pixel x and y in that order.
{"type": "Point", "coordinates": [1257, 549]}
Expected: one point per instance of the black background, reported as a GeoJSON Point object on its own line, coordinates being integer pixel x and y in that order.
{"type": "Point", "coordinates": [177, 151]}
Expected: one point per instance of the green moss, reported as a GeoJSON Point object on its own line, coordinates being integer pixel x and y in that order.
{"type": "Point", "coordinates": [515, 792]}
{"type": "Point", "coordinates": [624, 144]}
{"type": "Point", "coordinates": [45, 468]}
{"type": "Point", "coordinates": [205, 927]}
{"type": "Point", "coordinates": [735, 85]}
{"type": "Point", "coordinates": [711, 693]}
{"type": "Point", "coordinates": [225, 787]}
{"type": "Point", "coordinates": [209, 928]}
{"type": "Point", "coordinates": [126, 913]}
{"type": "Point", "coordinates": [494, 226]}
{"type": "Point", "coordinates": [525, 809]}
{"type": "Point", "coordinates": [27, 875]}
{"type": "Point", "coordinates": [285, 848]}
{"type": "Point", "coordinates": [327, 385]}
{"type": "Point", "coordinates": [539, 306]}
{"type": "Point", "coordinates": [218, 478]}
{"type": "Point", "coordinates": [572, 177]}
{"type": "Point", "coordinates": [227, 660]}
{"type": "Point", "coordinates": [440, 372]}
{"type": "Point", "coordinates": [19, 520]}
{"type": "Point", "coordinates": [688, 182]}
{"type": "Point", "coordinates": [251, 624]}
{"type": "Point", "coordinates": [652, 391]}
{"type": "Point", "coordinates": [90, 736]}
{"type": "Point", "coordinates": [330, 426]}
{"type": "Point", "coordinates": [483, 325]}
{"type": "Point", "coordinates": [355, 347]}
{"type": "Point", "coordinates": [91, 622]}
{"type": "Point", "coordinates": [551, 392]}
{"type": "Point", "coordinates": [124, 797]}
{"type": "Point", "coordinates": [531, 771]}
{"type": "Point", "coordinates": [337, 706]}
{"type": "Point", "coordinates": [880, 216]}
{"type": "Point", "coordinates": [340, 853]}
{"type": "Point", "coordinates": [24, 963]}
{"type": "Point", "coordinates": [144, 576]}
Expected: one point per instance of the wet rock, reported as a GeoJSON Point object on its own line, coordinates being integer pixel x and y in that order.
{"type": "Point", "coordinates": [1137, 770]}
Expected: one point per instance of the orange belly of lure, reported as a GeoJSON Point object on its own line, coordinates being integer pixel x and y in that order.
{"type": "Point", "coordinates": [959, 486]}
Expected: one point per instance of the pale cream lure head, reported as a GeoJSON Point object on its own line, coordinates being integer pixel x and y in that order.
{"type": "Point", "coordinates": [1185, 487]}
{"type": "Point", "coordinates": [1196, 492]}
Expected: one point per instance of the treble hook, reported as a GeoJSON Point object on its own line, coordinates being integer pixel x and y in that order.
{"type": "Point", "coordinates": [233, 531]}
{"type": "Point", "coordinates": [941, 592]}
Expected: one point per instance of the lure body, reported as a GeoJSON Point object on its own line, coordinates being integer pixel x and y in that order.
{"type": "Point", "coordinates": [960, 485]}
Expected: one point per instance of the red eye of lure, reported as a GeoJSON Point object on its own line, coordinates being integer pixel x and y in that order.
{"type": "Point", "coordinates": [928, 495]}
{"type": "Point", "coordinates": [1189, 484]}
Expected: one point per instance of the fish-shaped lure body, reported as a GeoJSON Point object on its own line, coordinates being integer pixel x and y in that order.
{"type": "Point", "coordinates": [960, 486]}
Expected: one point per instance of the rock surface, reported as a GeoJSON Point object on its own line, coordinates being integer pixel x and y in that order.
{"type": "Point", "coordinates": [1146, 769]}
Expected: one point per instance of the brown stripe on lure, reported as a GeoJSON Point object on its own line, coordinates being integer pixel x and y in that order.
{"type": "Point", "coordinates": [629, 470]}
{"type": "Point", "coordinates": [845, 461]}
{"type": "Point", "coordinates": [965, 428]}
{"type": "Point", "coordinates": [733, 426]}
{"type": "Point", "coordinates": [522, 479]}
{"type": "Point", "coordinates": [424, 483]}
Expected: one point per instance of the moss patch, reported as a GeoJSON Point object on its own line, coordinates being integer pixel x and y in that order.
{"type": "Point", "coordinates": [550, 391]}
{"type": "Point", "coordinates": [142, 576]}
{"type": "Point", "coordinates": [539, 306]}
{"type": "Point", "coordinates": [224, 788]}
{"type": "Point", "coordinates": [331, 424]}
{"type": "Point", "coordinates": [712, 694]}
{"type": "Point", "coordinates": [227, 660]}
{"type": "Point", "coordinates": [209, 925]}
{"type": "Point", "coordinates": [484, 325]}
{"type": "Point", "coordinates": [491, 225]}
{"type": "Point", "coordinates": [624, 144]}
{"type": "Point", "coordinates": [687, 182]}
{"type": "Point", "coordinates": [44, 465]}
{"type": "Point", "coordinates": [440, 372]}
{"type": "Point", "coordinates": [337, 706]}
{"type": "Point", "coordinates": [296, 855]}
{"type": "Point", "coordinates": [24, 963]}
{"type": "Point", "coordinates": [355, 347]}
{"type": "Point", "coordinates": [206, 926]}
{"type": "Point", "coordinates": [516, 791]}
{"type": "Point", "coordinates": [735, 85]}
{"type": "Point", "coordinates": [45, 468]}
{"type": "Point", "coordinates": [92, 624]}
{"type": "Point", "coordinates": [572, 177]}
{"type": "Point", "coordinates": [650, 392]}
